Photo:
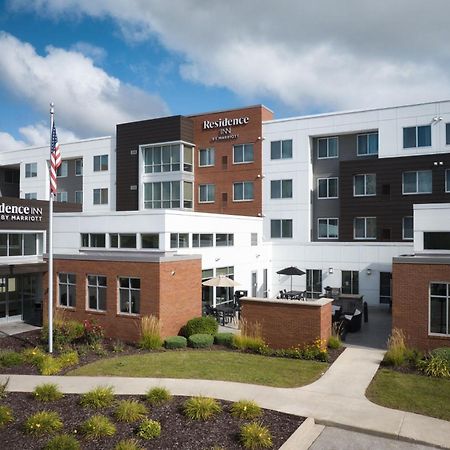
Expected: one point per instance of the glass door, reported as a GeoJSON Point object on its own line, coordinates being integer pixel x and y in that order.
{"type": "Point", "coordinates": [10, 300]}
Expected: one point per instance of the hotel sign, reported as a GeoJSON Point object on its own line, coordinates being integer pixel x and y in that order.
{"type": "Point", "coordinates": [20, 213]}
{"type": "Point", "coordinates": [225, 127]}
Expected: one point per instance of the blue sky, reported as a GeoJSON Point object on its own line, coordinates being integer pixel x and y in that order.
{"type": "Point", "coordinates": [108, 61]}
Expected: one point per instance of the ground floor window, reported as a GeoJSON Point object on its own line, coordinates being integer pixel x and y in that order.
{"type": "Point", "coordinates": [20, 244]}
{"type": "Point", "coordinates": [350, 282]}
{"type": "Point", "coordinates": [129, 295]}
{"type": "Point", "coordinates": [385, 287]}
{"type": "Point", "coordinates": [313, 283]}
{"type": "Point", "coordinates": [439, 317]}
{"type": "Point", "coordinates": [97, 292]}
{"type": "Point", "coordinates": [67, 289]}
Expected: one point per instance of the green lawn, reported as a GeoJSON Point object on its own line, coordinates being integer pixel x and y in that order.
{"type": "Point", "coordinates": [414, 393]}
{"type": "Point", "coordinates": [210, 365]}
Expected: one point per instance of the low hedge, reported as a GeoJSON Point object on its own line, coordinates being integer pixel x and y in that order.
{"type": "Point", "coordinates": [173, 342]}
{"type": "Point", "coordinates": [201, 340]}
{"type": "Point", "coordinates": [225, 339]}
{"type": "Point", "coordinates": [201, 325]}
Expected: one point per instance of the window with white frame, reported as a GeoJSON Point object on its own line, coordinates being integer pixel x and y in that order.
{"type": "Point", "coordinates": [20, 244]}
{"type": "Point", "coordinates": [100, 196]}
{"type": "Point", "coordinates": [224, 240]}
{"type": "Point", "coordinates": [62, 196]}
{"type": "Point", "coordinates": [129, 295]}
{"type": "Point", "coordinates": [281, 189]}
{"type": "Point", "coordinates": [206, 193]}
{"type": "Point", "coordinates": [327, 147]}
{"type": "Point", "coordinates": [150, 240]}
{"type": "Point", "coordinates": [188, 194]}
{"type": "Point", "coordinates": [243, 191]}
{"type": "Point", "coordinates": [417, 182]}
{"type": "Point", "coordinates": [164, 194]}
{"type": "Point", "coordinates": [63, 169]}
{"type": "Point", "coordinates": [122, 240]}
{"type": "Point", "coordinates": [188, 158]}
{"type": "Point", "coordinates": [367, 144]}
{"type": "Point", "coordinates": [243, 153]}
{"type": "Point", "coordinates": [179, 240]}
{"type": "Point", "coordinates": [94, 240]}
{"type": "Point", "coordinates": [79, 167]}
{"type": "Point", "coordinates": [419, 136]}
{"type": "Point", "coordinates": [30, 170]}
{"type": "Point", "coordinates": [281, 149]}
{"type": "Point", "coordinates": [67, 290]}
{"type": "Point", "coordinates": [328, 228]}
{"type": "Point", "coordinates": [327, 188]}
{"type": "Point", "coordinates": [439, 313]}
{"type": "Point", "coordinates": [96, 285]}
{"type": "Point", "coordinates": [100, 163]}
{"type": "Point", "coordinates": [31, 195]}
{"type": "Point", "coordinates": [162, 158]}
{"type": "Point", "coordinates": [407, 228]}
{"type": "Point", "coordinates": [281, 228]}
{"type": "Point", "coordinates": [206, 157]}
{"type": "Point", "coordinates": [365, 228]}
{"type": "Point", "coordinates": [202, 240]}
{"type": "Point", "coordinates": [364, 185]}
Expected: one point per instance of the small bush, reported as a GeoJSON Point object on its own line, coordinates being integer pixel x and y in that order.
{"type": "Point", "coordinates": [396, 353]}
{"type": "Point", "coordinates": [435, 366]}
{"type": "Point", "coordinates": [255, 435]}
{"type": "Point", "coordinates": [100, 397]}
{"type": "Point", "coordinates": [173, 342]}
{"type": "Point", "coordinates": [225, 339]}
{"type": "Point", "coordinates": [200, 340]}
{"type": "Point", "coordinates": [6, 415]}
{"type": "Point", "coordinates": [98, 349]}
{"type": "Point", "coordinates": [250, 337]}
{"type": "Point", "coordinates": [43, 422]}
{"type": "Point", "coordinates": [245, 409]}
{"type": "Point", "coordinates": [64, 332]}
{"type": "Point", "coordinates": [334, 342]}
{"type": "Point", "coordinates": [93, 332]}
{"type": "Point", "coordinates": [158, 395]}
{"type": "Point", "coordinates": [118, 346]}
{"type": "Point", "coordinates": [47, 392]}
{"type": "Point", "coordinates": [48, 365]}
{"type": "Point", "coordinates": [33, 355]}
{"type": "Point", "coordinates": [443, 352]}
{"type": "Point", "coordinates": [201, 325]}
{"type": "Point", "coordinates": [149, 429]}
{"type": "Point", "coordinates": [69, 358]}
{"type": "Point", "coordinates": [63, 442]}
{"type": "Point", "coordinates": [11, 359]}
{"type": "Point", "coordinates": [130, 411]}
{"type": "Point", "coordinates": [150, 333]}
{"type": "Point", "coordinates": [201, 408]}
{"type": "Point", "coordinates": [128, 444]}
{"type": "Point", "coordinates": [98, 426]}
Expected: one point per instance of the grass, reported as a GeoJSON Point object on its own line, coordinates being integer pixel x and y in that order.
{"type": "Point", "coordinates": [217, 365]}
{"type": "Point", "coordinates": [409, 392]}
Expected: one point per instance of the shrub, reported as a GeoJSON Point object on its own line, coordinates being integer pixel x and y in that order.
{"type": "Point", "coordinates": [245, 409]}
{"type": "Point", "coordinates": [3, 388]}
{"type": "Point", "coordinates": [201, 325]}
{"type": "Point", "coordinates": [47, 392]}
{"type": "Point", "coordinates": [69, 358]}
{"type": "Point", "coordinates": [130, 411]}
{"type": "Point", "coordinates": [33, 355]}
{"type": "Point", "coordinates": [435, 366]}
{"type": "Point", "coordinates": [396, 353]}
{"type": "Point", "coordinates": [43, 422]}
{"type": "Point", "coordinates": [128, 444]}
{"type": "Point", "coordinates": [315, 351]}
{"type": "Point", "coordinates": [443, 352]}
{"type": "Point", "coordinates": [100, 397]}
{"type": "Point", "coordinates": [98, 426]}
{"type": "Point", "coordinates": [64, 331]}
{"type": "Point", "coordinates": [48, 365]}
{"type": "Point", "coordinates": [255, 435]}
{"type": "Point", "coordinates": [250, 337]}
{"type": "Point", "coordinates": [201, 408]}
{"type": "Point", "coordinates": [118, 346]}
{"type": "Point", "coordinates": [63, 442]}
{"type": "Point", "coordinates": [6, 415]}
{"type": "Point", "coordinates": [200, 340]}
{"type": "Point", "coordinates": [92, 332]}
{"type": "Point", "coordinates": [98, 348]}
{"type": "Point", "coordinates": [149, 429]}
{"type": "Point", "coordinates": [225, 339]}
{"type": "Point", "coordinates": [173, 342]}
{"type": "Point", "coordinates": [150, 333]}
{"type": "Point", "coordinates": [158, 395]}
{"type": "Point", "coordinates": [10, 359]}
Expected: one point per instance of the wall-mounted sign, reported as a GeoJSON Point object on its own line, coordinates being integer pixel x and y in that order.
{"type": "Point", "coordinates": [20, 213]}
{"type": "Point", "coordinates": [224, 126]}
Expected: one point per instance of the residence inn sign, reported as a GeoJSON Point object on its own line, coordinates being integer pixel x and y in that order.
{"type": "Point", "coordinates": [225, 127]}
{"type": "Point", "coordinates": [20, 214]}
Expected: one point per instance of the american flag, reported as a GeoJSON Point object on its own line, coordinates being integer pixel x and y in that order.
{"type": "Point", "coordinates": [55, 160]}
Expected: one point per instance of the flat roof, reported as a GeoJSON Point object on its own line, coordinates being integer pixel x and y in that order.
{"type": "Point", "coordinates": [422, 258]}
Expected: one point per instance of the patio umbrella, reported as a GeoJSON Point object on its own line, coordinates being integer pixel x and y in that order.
{"type": "Point", "coordinates": [221, 281]}
{"type": "Point", "coordinates": [291, 270]}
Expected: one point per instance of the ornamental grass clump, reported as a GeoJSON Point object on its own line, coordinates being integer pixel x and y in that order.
{"type": "Point", "coordinates": [201, 408]}
{"type": "Point", "coordinates": [6, 415]}
{"type": "Point", "coordinates": [250, 337]}
{"type": "Point", "coordinates": [100, 397]}
{"type": "Point", "coordinates": [254, 435]}
{"type": "Point", "coordinates": [396, 352]}
{"type": "Point", "coordinates": [3, 388]}
{"type": "Point", "coordinates": [435, 365]}
{"type": "Point", "coordinates": [43, 422]}
{"type": "Point", "coordinates": [245, 409]}
{"type": "Point", "coordinates": [157, 396]}
{"type": "Point", "coordinates": [128, 444]}
{"type": "Point", "coordinates": [63, 442]}
{"type": "Point", "coordinates": [47, 392]}
{"type": "Point", "coordinates": [150, 333]}
{"type": "Point", "coordinates": [130, 411]}
{"type": "Point", "coordinates": [10, 359]}
{"type": "Point", "coordinates": [149, 429]}
{"type": "Point", "coordinates": [48, 365]}
{"type": "Point", "coordinates": [98, 426]}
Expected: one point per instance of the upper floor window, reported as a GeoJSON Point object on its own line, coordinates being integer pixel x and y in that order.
{"type": "Point", "coordinates": [188, 158]}
{"type": "Point", "coordinates": [327, 188]}
{"type": "Point", "coordinates": [436, 240]}
{"type": "Point", "coordinates": [407, 228]}
{"type": "Point", "coordinates": [327, 147]}
{"type": "Point", "coordinates": [63, 169]}
{"type": "Point", "coordinates": [281, 189]}
{"type": "Point", "coordinates": [162, 158]}
{"type": "Point", "coordinates": [164, 194]}
{"type": "Point", "coordinates": [224, 240]}
{"type": "Point", "coordinates": [439, 308]}
{"type": "Point", "coordinates": [206, 193]}
{"type": "Point", "coordinates": [31, 195]}
{"type": "Point", "coordinates": [100, 163]}
{"type": "Point", "coordinates": [179, 240]}
{"type": "Point", "coordinates": [365, 228]}
{"type": "Point", "coordinates": [328, 229]}
{"type": "Point", "coordinates": [62, 196]}
{"type": "Point", "coordinates": [67, 290]}
{"type": "Point", "coordinates": [281, 149]}
{"type": "Point", "coordinates": [206, 157]}
{"type": "Point", "coordinates": [243, 191]}
{"type": "Point", "coordinates": [417, 182]}
{"type": "Point", "coordinates": [96, 292]}
{"type": "Point", "coordinates": [188, 194]}
{"type": "Point", "coordinates": [129, 295]}
{"type": "Point", "coordinates": [79, 167]}
{"type": "Point", "coordinates": [203, 240]}
{"type": "Point", "coordinates": [150, 240]}
{"type": "Point", "coordinates": [417, 136]}
{"type": "Point", "coordinates": [122, 240]}
{"type": "Point", "coordinates": [243, 153]}
{"type": "Point", "coordinates": [281, 228]}
{"type": "Point", "coordinates": [364, 185]}
{"type": "Point", "coordinates": [12, 176]}
{"type": "Point", "coordinates": [367, 144]}
{"type": "Point", "coordinates": [79, 197]}
{"type": "Point", "coordinates": [447, 180]}
{"type": "Point", "coordinates": [30, 170]}
{"type": "Point", "coordinates": [447, 134]}
{"type": "Point", "coordinates": [100, 196]}
{"type": "Point", "coordinates": [96, 240]}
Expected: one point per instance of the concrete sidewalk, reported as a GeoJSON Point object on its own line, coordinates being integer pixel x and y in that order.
{"type": "Point", "coordinates": [337, 398]}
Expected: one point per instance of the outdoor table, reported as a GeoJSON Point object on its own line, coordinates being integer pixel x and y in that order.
{"type": "Point", "coordinates": [224, 312]}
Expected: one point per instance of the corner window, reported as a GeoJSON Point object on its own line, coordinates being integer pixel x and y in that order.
{"type": "Point", "coordinates": [439, 316]}
{"type": "Point", "coordinates": [179, 240]}
{"type": "Point", "coordinates": [281, 149]}
{"type": "Point", "coordinates": [327, 188]}
{"type": "Point", "coordinates": [281, 228]}
{"type": "Point", "coordinates": [206, 193]}
{"type": "Point", "coordinates": [407, 228]}
{"type": "Point", "coordinates": [243, 153]}
{"type": "Point", "coordinates": [188, 194]}
{"type": "Point", "coordinates": [100, 163]}
{"type": "Point", "coordinates": [63, 169]}
{"type": "Point", "coordinates": [162, 158]}
{"type": "Point", "coordinates": [364, 185]}
{"type": "Point", "coordinates": [129, 295]}
{"type": "Point", "coordinates": [243, 191]}
{"type": "Point", "coordinates": [101, 196]}
{"type": "Point", "coordinates": [417, 136]}
{"type": "Point", "coordinates": [327, 147]}
{"type": "Point", "coordinates": [206, 157]}
{"type": "Point", "coordinates": [281, 189]}
{"type": "Point", "coordinates": [188, 158]}
{"type": "Point", "coordinates": [365, 228]}
{"type": "Point", "coordinates": [30, 170]}
{"type": "Point", "coordinates": [96, 292]}
{"type": "Point", "coordinates": [417, 182]}
{"type": "Point", "coordinates": [367, 144]}
{"type": "Point", "coordinates": [67, 290]}
{"type": "Point", "coordinates": [328, 229]}
{"type": "Point", "coordinates": [164, 194]}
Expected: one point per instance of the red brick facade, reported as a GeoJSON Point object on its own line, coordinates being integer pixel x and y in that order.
{"type": "Point", "coordinates": [410, 303]}
{"type": "Point", "coordinates": [170, 291]}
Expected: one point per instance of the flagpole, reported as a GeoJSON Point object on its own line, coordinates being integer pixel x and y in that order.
{"type": "Point", "coordinates": [50, 248]}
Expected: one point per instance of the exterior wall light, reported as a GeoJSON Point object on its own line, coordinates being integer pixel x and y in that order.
{"type": "Point", "coordinates": [369, 271]}
{"type": "Point", "coordinates": [330, 271]}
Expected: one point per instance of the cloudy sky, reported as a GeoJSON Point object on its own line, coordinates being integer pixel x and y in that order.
{"type": "Point", "coordinates": [109, 61]}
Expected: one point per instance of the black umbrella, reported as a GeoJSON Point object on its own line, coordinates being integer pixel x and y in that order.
{"type": "Point", "coordinates": [291, 271]}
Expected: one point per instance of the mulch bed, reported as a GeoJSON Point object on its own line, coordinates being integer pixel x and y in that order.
{"type": "Point", "coordinates": [178, 432]}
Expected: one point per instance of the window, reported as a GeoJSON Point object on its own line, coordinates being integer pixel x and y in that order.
{"type": "Point", "coordinates": [439, 308]}
{"type": "Point", "coordinates": [79, 167]}
{"type": "Point", "coordinates": [281, 189]}
{"type": "Point", "coordinates": [12, 176]}
{"type": "Point", "coordinates": [206, 157]}
{"type": "Point", "coordinates": [63, 169]}
{"type": "Point", "coordinates": [418, 182]}
{"type": "Point", "coordinates": [31, 195]}
{"type": "Point", "coordinates": [188, 194]}
{"type": "Point", "coordinates": [407, 228]}
{"type": "Point", "coordinates": [253, 239]}
{"type": "Point", "coordinates": [101, 196]}
{"type": "Point", "coordinates": [206, 193]}
{"type": "Point", "coordinates": [187, 158]}
{"type": "Point", "coordinates": [122, 240]}
{"type": "Point", "coordinates": [328, 229]}
{"type": "Point", "coordinates": [386, 287]}
{"type": "Point", "coordinates": [179, 240]}
{"type": "Point", "coordinates": [224, 294]}
{"type": "Point", "coordinates": [447, 180]}
{"type": "Point", "coordinates": [364, 185]}
{"type": "Point", "coordinates": [100, 163]}
{"type": "Point", "coordinates": [162, 158]}
{"type": "Point", "coordinates": [281, 149]}
{"type": "Point", "coordinates": [224, 240]}
{"type": "Point", "coordinates": [350, 282]}
{"type": "Point", "coordinates": [150, 240]}
{"type": "Point", "coordinates": [327, 147]}
{"type": "Point", "coordinates": [67, 290]}
{"type": "Point", "coordinates": [129, 295]}
{"type": "Point", "coordinates": [30, 170]}
{"type": "Point", "coordinates": [96, 292]}
{"type": "Point", "coordinates": [327, 188]}
{"type": "Point", "coordinates": [164, 194]}
{"type": "Point", "coordinates": [20, 244]}
{"type": "Point", "coordinates": [61, 197]}
{"type": "Point", "coordinates": [313, 283]}
{"type": "Point", "coordinates": [281, 228]}
{"type": "Point", "coordinates": [437, 240]}
{"type": "Point", "coordinates": [417, 136]}
{"type": "Point", "coordinates": [447, 134]}
{"type": "Point", "coordinates": [367, 144]}
{"type": "Point", "coordinates": [243, 191]}
{"type": "Point", "coordinates": [243, 153]}
{"type": "Point", "coordinates": [95, 240]}
{"type": "Point", "coordinates": [365, 228]}
{"type": "Point", "coordinates": [203, 240]}
{"type": "Point", "coordinates": [79, 197]}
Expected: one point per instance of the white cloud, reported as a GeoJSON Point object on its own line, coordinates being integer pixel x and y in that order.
{"type": "Point", "coordinates": [97, 54]}
{"type": "Point", "coordinates": [8, 142]}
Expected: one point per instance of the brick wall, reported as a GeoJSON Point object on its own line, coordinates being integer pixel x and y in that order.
{"type": "Point", "coordinates": [410, 302]}
{"type": "Point", "coordinates": [286, 324]}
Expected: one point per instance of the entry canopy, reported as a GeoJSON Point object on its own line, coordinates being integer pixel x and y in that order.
{"type": "Point", "coordinates": [221, 281]}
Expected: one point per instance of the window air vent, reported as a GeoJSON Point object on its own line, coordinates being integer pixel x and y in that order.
{"type": "Point", "coordinates": [133, 152]}
{"type": "Point", "coordinates": [133, 187]}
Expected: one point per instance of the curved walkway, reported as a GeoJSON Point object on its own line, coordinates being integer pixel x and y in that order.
{"type": "Point", "coordinates": [337, 398]}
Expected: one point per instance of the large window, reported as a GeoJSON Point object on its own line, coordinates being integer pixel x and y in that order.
{"type": "Point", "coordinates": [30, 170]}
{"type": "Point", "coordinates": [243, 153]}
{"type": "Point", "coordinates": [439, 308]}
{"type": "Point", "coordinates": [436, 240]}
{"type": "Point", "coordinates": [150, 240]}
{"type": "Point", "coordinates": [206, 157]}
{"type": "Point", "coordinates": [100, 163]}
{"type": "Point", "coordinates": [129, 295]}
{"type": "Point", "coordinates": [243, 191]}
{"type": "Point", "coordinates": [364, 185]}
{"type": "Point", "coordinates": [164, 194]}
{"type": "Point", "coordinates": [224, 240]}
{"type": "Point", "coordinates": [67, 290]}
{"type": "Point", "coordinates": [407, 228]}
{"type": "Point", "coordinates": [281, 149]}
{"type": "Point", "coordinates": [179, 240]}
{"type": "Point", "coordinates": [350, 282]}
{"type": "Point", "coordinates": [417, 182]}
{"type": "Point", "coordinates": [281, 189]}
{"type": "Point", "coordinates": [63, 170]}
{"type": "Point", "coordinates": [417, 136]}
{"type": "Point", "coordinates": [94, 240]}
{"type": "Point", "coordinates": [281, 228]}
{"type": "Point", "coordinates": [327, 188]}
{"type": "Point", "coordinates": [122, 240]}
{"type": "Point", "coordinates": [367, 144]}
{"type": "Point", "coordinates": [206, 193]}
{"type": "Point", "coordinates": [365, 228]}
{"type": "Point", "coordinates": [100, 196]}
{"type": "Point", "coordinates": [20, 244]}
{"type": "Point", "coordinates": [96, 292]}
{"type": "Point", "coordinates": [328, 229]}
{"type": "Point", "coordinates": [327, 147]}
{"type": "Point", "coordinates": [202, 240]}
{"type": "Point", "coordinates": [313, 283]}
